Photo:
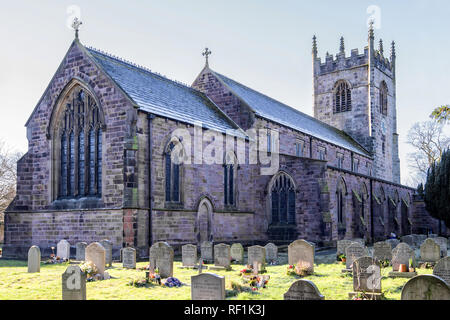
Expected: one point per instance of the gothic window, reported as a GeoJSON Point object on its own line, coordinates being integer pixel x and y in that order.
{"type": "Point", "coordinates": [173, 158]}
{"type": "Point", "coordinates": [269, 142]}
{"type": "Point", "coordinates": [299, 148]}
{"type": "Point", "coordinates": [340, 160]}
{"type": "Point", "coordinates": [383, 98]}
{"type": "Point", "coordinates": [321, 153]}
{"type": "Point", "coordinates": [341, 192]}
{"type": "Point", "coordinates": [283, 200]}
{"type": "Point", "coordinates": [80, 160]}
{"type": "Point", "coordinates": [383, 144]}
{"type": "Point", "coordinates": [355, 165]}
{"type": "Point", "coordinates": [342, 97]}
{"type": "Point", "coordinates": [229, 180]}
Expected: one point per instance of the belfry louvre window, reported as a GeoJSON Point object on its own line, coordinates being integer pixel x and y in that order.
{"type": "Point", "coordinates": [383, 98]}
{"type": "Point", "coordinates": [80, 159]}
{"type": "Point", "coordinates": [342, 98]}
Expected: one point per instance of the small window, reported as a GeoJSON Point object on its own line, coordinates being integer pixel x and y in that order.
{"type": "Point", "coordinates": [356, 165]}
{"type": "Point", "coordinates": [299, 148]}
{"type": "Point", "coordinates": [383, 98]}
{"type": "Point", "coordinates": [269, 142]}
{"type": "Point", "coordinates": [340, 160]}
{"type": "Point", "coordinates": [321, 153]}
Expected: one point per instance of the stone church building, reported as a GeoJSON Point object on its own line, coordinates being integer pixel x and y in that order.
{"type": "Point", "coordinates": [109, 157]}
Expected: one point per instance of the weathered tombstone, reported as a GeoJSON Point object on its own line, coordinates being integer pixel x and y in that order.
{"type": "Point", "coordinates": [207, 286]}
{"type": "Point", "coordinates": [257, 254]}
{"type": "Point", "coordinates": [34, 259]}
{"type": "Point", "coordinates": [63, 249]}
{"type": "Point", "coordinates": [353, 252]}
{"type": "Point", "coordinates": [442, 242]}
{"type": "Point", "coordinates": [108, 249]}
{"type": "Point", "coordinates": [360, 241]}
{"type": "Point", "coordinates": [402, 254]}
{"type": "Point", "coordinates": [409, 240]}
{"type": "Point", "coordinates": [426, 287]}
{"type": "Point", "coordinates": [442, 269]}
{"type": "Point", "coordinates": [237, 252]}
{"type": "Point", "coordinates": [96, 254]}
{"type": "Point", "coordinates": [367, 277]}
{"type": "Point", "coordinates": [430, 251]}
{"type": "Point", "coordinates": [80, 251]}
{"type": "Point", "coordinates": [303, 290]}
{"type": "Point", "coordinates": [129, 258]}
{"type": "Point", "coordinates": [206, 251]}
{"type": "Point", "coordinates": [73, 284]}
{"type": "Point", "coordinates": [222, 255]}
{"type": "Point", "coordinates": [161, 257]}
{"type": "Point", "coordinates": [271, 253]}
{"type": "Point", "coordinates": [189, 255]}
{"type": "Point", "coordinates": [341, 246]}
{"type": "Point", "coordinates": [303, 252]}
{"type": "Point", "coordinates": [382, 251]}
{"type": "Point", "coordinates": [393, 242]}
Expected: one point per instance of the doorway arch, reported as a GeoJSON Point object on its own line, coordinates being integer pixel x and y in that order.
{"type": "Point", "coordinates": [204, 230]}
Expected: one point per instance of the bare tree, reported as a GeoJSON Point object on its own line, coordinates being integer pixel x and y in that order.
{"type": "Point", "coordinates": [8, 176]}
{"type": "Point", "coordinates": [429, 142]}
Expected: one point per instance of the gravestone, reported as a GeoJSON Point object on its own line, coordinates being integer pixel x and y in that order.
{"type": "Point", "coordinates": [442, 242]}
{"type": "Point", "coordinates": [303, 252]}
{"type": "Point", "coordinates": [367, 277]}
{"type": "Point", "coordinates": [80, 251]}
{"type": "Point", "coordinates": [73, 284]}
{"type": "Point", "coordinates": [108, 249]}
{"type": "Point", "coordinates": [402, 254]}
{"type": "Point", "coordinates": [207, 286]}
{"type": "Point", "coordinates": [382, 251]}
{"type": "Point", "coordinates": [426, 287]}
{"type": "Point", "coordinates": [129, 258]}
{"type": "Point", "coordinates": [353, 252]}
{"type": "Point", "coordinates": [393, 242]}
{"type": "Point", "coordinates": [303, 290]}
{"type": "Point", "coordinates": [341, 246]}
{"type": "Point", "coordinates": [34, 259]}
{"type": "Point", "coordinates": [63, 249]}
{"type": "Point", "coordinates": [360, 241]}
{"type": "Point", "coordinates": [189, 255]}
{"type": "Point", "coordinates": [161, 257]}
{"type": "Point", "coordinates": [96, 254]}
{"type": "Point", "coordinates": [442, 269]}
{"type": "Point", "coordinates": [409, 240]}
{"type": "Point", "coordinates": [432, 235]}
{"type": "Point", "coordinates": [206, 251]}
{"type": "Point", "coordinates": [257, 254]}
{"type": "Point", "coordinates": [430, 251]}
{"type": "Point", "coordinates": [271, 253]}
{"type": "Point", "coordinates": [237, 252]}
{"type": "Point", "coordinates": [222, 255]}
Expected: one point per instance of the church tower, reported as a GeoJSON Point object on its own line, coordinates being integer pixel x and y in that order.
{"type": "Point", "coordinates": [357, 94]}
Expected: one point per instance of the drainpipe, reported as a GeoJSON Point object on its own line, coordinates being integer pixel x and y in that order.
{"type": "Point", "coordinates": [150, 117]}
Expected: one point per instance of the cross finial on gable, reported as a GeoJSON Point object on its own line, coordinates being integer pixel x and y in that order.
{"type": "Point", "coordinates": [206, 54]}
{"type": "Point", "coordinates": [76, 26]}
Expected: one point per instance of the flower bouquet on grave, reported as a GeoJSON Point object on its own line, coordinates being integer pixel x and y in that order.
{"type": "Point", "coordinates": [171, 282]}
{"type": "Point", "coordinates": [257, 282]}
{"type": "Point", "coordinates": [342, 258]}
{"type": "Point", "coordinates": [147, 267]}
{"type": "Point", "coordinates": [247, 270]}
{"type": "Point", "coordinates": [290, 270]}
{"type": "Point", "coordinates": [91, 271]}
{"type": "Point", "coordinates": [138, 283]}
{"type": "Point", "coordinates": [411, 266]}
{"type": "Point", "coordinates": [154, 276]}
{"type": "Point", "coordinates": [385, 263]}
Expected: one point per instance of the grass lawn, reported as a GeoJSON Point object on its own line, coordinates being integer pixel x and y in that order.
{"type": "Point", "coordinates": [17, 284]}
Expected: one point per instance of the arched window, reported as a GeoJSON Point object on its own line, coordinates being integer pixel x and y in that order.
{"type": "Point", "coordinates": [342, 97]}
{"type": "Point", "coordinates": [283, 200]}
{"type": "Point", "coordinates": [383, 98]}
{"type": "Point", "coordinates": [229, 175]}
{"type": "Point", "coordinates": [173, 160]}
{"type": "Point", "coordinates": [341, 192]}
{"type": "Point", "coordinates": [80, 162]}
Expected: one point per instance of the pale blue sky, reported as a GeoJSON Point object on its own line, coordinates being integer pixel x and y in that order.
{"type": "Point", "coordinates": [263, 44]}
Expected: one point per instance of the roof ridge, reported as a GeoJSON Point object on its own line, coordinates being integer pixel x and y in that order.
{"type": "Point", "coordinates": [137, 66]}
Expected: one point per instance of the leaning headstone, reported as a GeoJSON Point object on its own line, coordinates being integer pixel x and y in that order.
{"type": "Point", "coordinates": [341, 246]}
{"type": "Point", "coordinates": [402, 254]}
{"type": "Point", "coordinates": [108, 247]}
{"type": "Point", "coordinates": [207, 286]}
{"type": "Point", "coordinates": [271, 253]}
{"type": "Point", "coordinates": [430, 251]}
{"type": "Point", "coordinates": [257, 254]}
{"type": "Point", "coordinates": [206, 251]}
{"type": "Point", "coordinates": [222, 255]}
{"type": "Point", "coordinates": [189, 255]}
{"type": "Point", "coordinates": [73, 284]}
{"type": "Point", "coordinates": [382, 251]}
{"type": "Point", "coordinates": [237, 252]}
{"type": "Point", "coordinates": [129, 258]}
{"type": "Point", "coordinates": [426, 287]}
{"type": "Point", "coordinates": [303, 290]}
{"type": "Point", "coordinates": [96, 254]}
{"type": "Point", "coordinates": [303, 252]}
{"type": "Point", "coordinates": [161, 257]}
{"type": "Point", "coordinates": [442, 269]}
{"type": "Point", "coordinates": [63, 250]}
{"type": "Point", "coordinates": [442, 242]}
{"type": "Point", "coordinates": [34, 259]}
{"type": "Point", "coordinates": [409, 240]}
{"type": "Point", "coordinates": [353, 252]}
{"type": "Point", "coordinates": [367, 278]}
{"type": "Point", "coordinates": [80, 251]}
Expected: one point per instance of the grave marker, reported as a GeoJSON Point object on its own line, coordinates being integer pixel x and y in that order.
{"type": "Point", "coordinates": [237, 252]}
{"type": "Point", "coordinates": [222, 255]}
{"type": "Point", "coordinates": [108, 250]}
{"type": "Point", "coordinates": [189, 255]}
{"type": "Point", "coordinates": [303, 290]}
{"type": "Point", "coordinates": [430, 251]}
{"type": "Point", "coordinates": [34, 259]}
{"type": "Point", "coordinates": [63, 249]}
{"type": "Point", "coordinates": [129, 258]}
{"type": "Point", "coordinates": [303, 252]}
{"type": "Point", "coordinates": [207, 286]}
{"type": "Point", "coordinates": [257, 254]}
{"type": "Point", "coordinates": [161, 257]}
{"type": "Point", "coordinates": [271, 253]}
{"type": "Point", "coordinates": [96, 253]}
{"type": "Point", "coordinates": [73, 284]}
{"type": "Point", "coordinates": [206, 251]}
{"type": "Point", "coordinates": [442, 269]}
{"type": "Point", "coordinates": [426, 287]}
{"type": "Point", "coordinates": [80, 251]}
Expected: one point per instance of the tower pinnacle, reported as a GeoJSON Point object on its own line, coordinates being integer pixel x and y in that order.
{"type": "Point", "coordinates": [314, 47]}
{"type": "Point", "coordinates": [342, 47]}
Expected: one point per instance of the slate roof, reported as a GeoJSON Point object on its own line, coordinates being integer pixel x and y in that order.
{"type": "Point", "coordinates": [276, 111]}
{"type": "Point", "coordinates": [156, 94]}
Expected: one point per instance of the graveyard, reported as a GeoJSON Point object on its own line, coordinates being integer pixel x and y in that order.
{"type": "Point", "coordinates": [323, 273]}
